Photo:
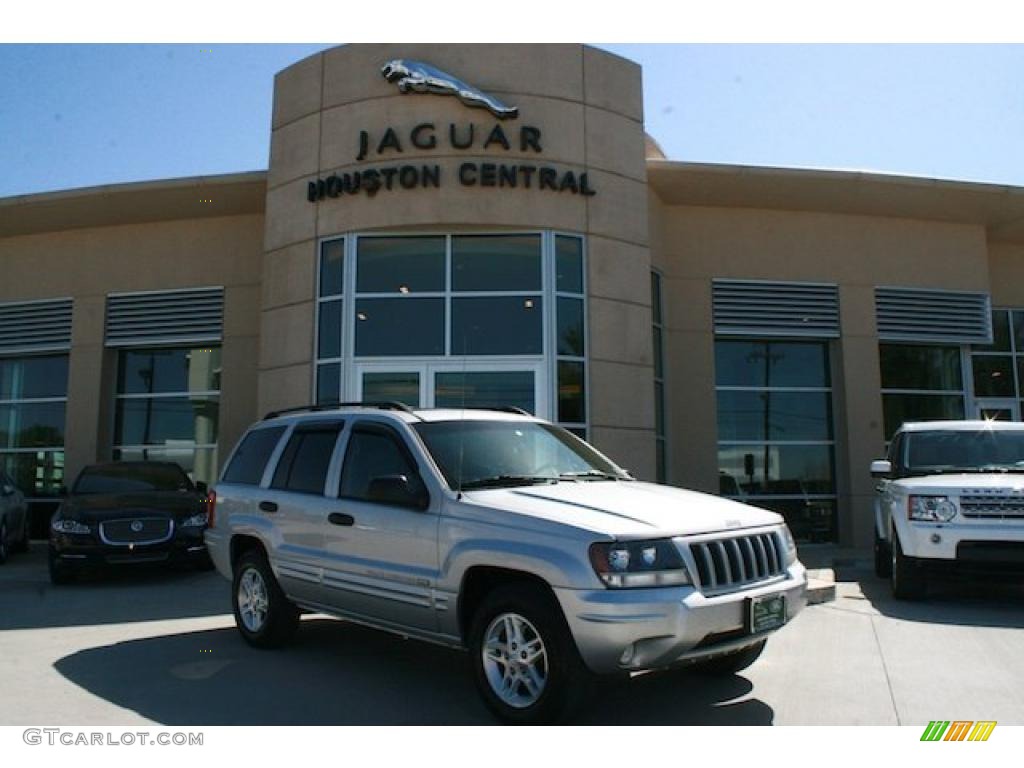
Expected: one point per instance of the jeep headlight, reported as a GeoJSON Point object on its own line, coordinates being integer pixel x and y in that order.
{"type": "Point", "coordinates": [70, 526]}
{"type": "Point", "coordinates": [630, 564]}
{"type": "Point", "coordinates": [788, 545]}
{"type": "Point", "coordinates": [932, 509]}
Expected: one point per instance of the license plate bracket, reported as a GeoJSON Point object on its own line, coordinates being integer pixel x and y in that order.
{"type": "Point", "coordinates": [765, 613]}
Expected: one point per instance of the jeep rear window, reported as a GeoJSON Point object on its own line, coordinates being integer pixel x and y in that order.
{"type": "Point", "coordinates": [249, 461]}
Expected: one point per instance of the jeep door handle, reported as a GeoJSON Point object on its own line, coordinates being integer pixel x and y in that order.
{"type": "Point", "coordinates": [268, 506]}
{"type": "Point", "coordinates": [340, 518]}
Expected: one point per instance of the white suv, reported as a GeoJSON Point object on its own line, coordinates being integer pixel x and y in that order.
{"type": "Point", "coordinates": [950, 497]}
{"type": "Point", "coordinates": [496, 532]}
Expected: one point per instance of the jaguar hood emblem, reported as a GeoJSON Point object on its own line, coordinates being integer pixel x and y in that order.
{"type": "Point", "coordinates": [418, 77]}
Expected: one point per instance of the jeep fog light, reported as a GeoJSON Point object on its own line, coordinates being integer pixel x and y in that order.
{"type": "Point", "coordinates": [932, 509]}
{"type": "Point", "coordinates": [632, 564]}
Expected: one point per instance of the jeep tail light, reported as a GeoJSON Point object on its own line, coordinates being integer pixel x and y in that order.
{"type": "Point", "coordinates": [210, 502]}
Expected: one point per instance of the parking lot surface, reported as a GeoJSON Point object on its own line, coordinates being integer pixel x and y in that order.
{"type": "Point", "coordinates": [160, 646]}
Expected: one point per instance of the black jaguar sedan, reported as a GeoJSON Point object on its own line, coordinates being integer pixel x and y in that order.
{"type": "Point", "coordinates": [129, 513]}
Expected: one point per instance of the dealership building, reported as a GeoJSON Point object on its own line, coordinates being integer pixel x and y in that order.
{"type": "Point", "coordinates": [462, 225]}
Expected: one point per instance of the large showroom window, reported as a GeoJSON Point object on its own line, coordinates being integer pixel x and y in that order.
{"type": "Point", "coordinates": [454, 320]}
{"type": "Point", "coordinates": [998, 368]}
{"type": "Point", "coordinates": [775, 436]}
{"type": "Point", "coordinates": [33, 402]}
{"type": "Point", "coordinates": [167, 407]}
{"type": "Point", "coordinates": [920, 382]}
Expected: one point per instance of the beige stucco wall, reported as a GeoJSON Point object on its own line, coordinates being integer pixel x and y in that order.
{"type": "Point", "coordinates": [693, 245]}
{"type": "Point", "coordinates": [87, 264]}
{"type": "Point", "coordinates": [588, 106]}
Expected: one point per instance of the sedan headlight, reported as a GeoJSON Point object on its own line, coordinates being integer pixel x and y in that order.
{"type": "Point", "coordinates": [932, 509]}
{"type": "Point", "coordinates": [789, 545]}
{"type": "Point", "coordinates": [630, 564]}
{"type": "Point", "coordinates": [196, 521]}
{"type": "Point", "coordinates": [70, 526]}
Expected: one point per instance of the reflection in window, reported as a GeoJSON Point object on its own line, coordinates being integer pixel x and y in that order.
{"type": "Point", "coordinates": [485, 390]}
{"type": "Point", "coordinates": [775, 439]}
{"type": "Point", "coordinates": [506, 325]}
{"type": "Point", "coordinates": [392, 387]}
{"type": "Point", "coordinates": [997, 369]}
{"type": "Point", "coordinates": [496, 263]}
{"type": "Point", "coordinates": [920, 383]}
{"type": "Point", "coordinates": [391, 327]}
{"type": "Point", "coordinates": [33, 404]}
{"type": "Point", "coordinates": [167, 407]}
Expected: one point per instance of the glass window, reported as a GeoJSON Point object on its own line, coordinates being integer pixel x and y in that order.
{"type": "Point", "coordinates": [778, 469]}
{"type": "Point", "coordinates": [35, 473]}
{"type": "Point", "coordinates": [328, 383]}
{"type": "Point", "coordinates": [771, 364]}
{"type": "Point", "coordinates": [570, 327]}
{"type": "Point", "coordinates": [993, 376]}
{"type": "Point", "coordinates": [302, 467]}
{"type": "Point", "coordinates": [329, 333]}
{"type": "Point", "coordinates": [906, 366]}
{"type": "Point", "coordinates": [395, 387]}
{"type": "Point", "coordinates": [899, 408]}
{"type": "Point", "coordinates": [773, 415]}
{"type": "Point", "coordinates": [400, 264]}
{"type": "Point", "coordinates": [250, 460]}
{"type": "Point", "coordinates": [370, 454]}
{"type": "Point", "coordinates": [399, 326]}
{"type": "Point", "coordinates": [571, 394]}
{"type": "Point", "coordinates": [661, 466]}
{"type": "Point", "coordinates": [656, 297]}
{"type": "Point", "coordinates": [568, 264]}
{"type": "Point", "coordinates": [169, 370]}
{"type": "Point", "coordinates": [505, 325]}
{"type": "Point", "coordinates": [809, 520]}
{"type": "Point", "coordinates": [496, 263]}
{"type": "Point", "coordinates": [32, 425]}
{"type": "Point", "coordinates": [485, 390]}
{"type": "Point", "coordinates": [33, 377]}
{"type": "Point", "coordinates": [331, 272]}
{"type": "Point", "coordinates": [150, 423]}
{"type": "Point", "coordinates": [1000, 333]}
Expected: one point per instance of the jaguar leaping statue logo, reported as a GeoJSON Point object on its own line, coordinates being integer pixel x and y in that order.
{"type": "Point", "coordinates": [417, 77]}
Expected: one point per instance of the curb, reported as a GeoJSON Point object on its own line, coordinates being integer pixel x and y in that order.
{"type": "Point", "coordinates": [821, 586]}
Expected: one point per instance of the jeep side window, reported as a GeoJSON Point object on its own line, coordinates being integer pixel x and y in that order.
{"type": "Point", "coordinates": [251, 458]}
{"type": "Point", "coordinates": [374, 452]}
{"type": "Point", "coordinates": [303, 464]}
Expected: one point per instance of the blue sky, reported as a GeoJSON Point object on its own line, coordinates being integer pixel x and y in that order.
{"type": "Point", "coordinates": [81, 115]}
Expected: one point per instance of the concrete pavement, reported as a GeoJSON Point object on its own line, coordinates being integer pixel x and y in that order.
{"type": "Point", "coordinates": [160, 647]}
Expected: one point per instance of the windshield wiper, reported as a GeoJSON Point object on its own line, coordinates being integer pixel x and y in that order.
{"type": "Point", "coordinates": [507, 481]}
{"type": "Point", "coordinates": [590, 474]}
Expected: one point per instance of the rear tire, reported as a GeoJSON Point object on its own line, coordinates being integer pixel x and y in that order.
{"type": "Point", "coordinates": [263, 615]}
{"type": "Point", "coordinates": [907, 583]}
{"type": "Point", "coordinates": [732, 663]}
{"type": "Point", "coordinates": [883, 558]}
{"type": "Point", "coordinates": [515, 620]}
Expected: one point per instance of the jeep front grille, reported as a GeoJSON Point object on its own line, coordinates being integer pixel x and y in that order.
{"type": "Point", "coordinates": [729, 564]}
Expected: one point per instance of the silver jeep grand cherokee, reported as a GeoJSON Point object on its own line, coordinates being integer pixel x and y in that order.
{"type": "Point", "coordinates": [500, 533]}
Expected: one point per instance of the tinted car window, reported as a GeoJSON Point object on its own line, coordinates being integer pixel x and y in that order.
{"type": "Point", "coordinates": [251, 457]}
{"type": "Point", "coordinates": [303, 465]}
{"type": "Point", "coordinates": [373, 453]}
{"type": "Point", "coordinates": [129, 478]}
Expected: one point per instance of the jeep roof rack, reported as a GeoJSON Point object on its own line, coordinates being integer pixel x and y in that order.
{"type": "Point", "coordinates": [383, 405]}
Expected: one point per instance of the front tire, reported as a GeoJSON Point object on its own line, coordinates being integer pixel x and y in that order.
{"type": "Point", "coordinates": [883, 558]}
{"type": "Point", "coordinates": [263, 615]}
{"type": "Point", "coordinates": [907, 583]}
{"type": "Point", "coordinates": [732, 663]}
{"type": "Point", "coordinates": [525, 663]}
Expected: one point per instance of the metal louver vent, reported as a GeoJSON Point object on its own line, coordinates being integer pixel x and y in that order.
{"type": "Point", "coordinates": [35, 326]}
{"type": "Point", "coordinates": [755, 308]}
{"type": "Point", "coordinates": [921, 315]}
{"type": "Point", "coordinates": [191, 315]}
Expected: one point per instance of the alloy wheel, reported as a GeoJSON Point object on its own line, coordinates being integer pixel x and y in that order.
{"type": "Point", "coordinates": [515, 660]}
{"type": "Point", "coordinates": [252, 600]}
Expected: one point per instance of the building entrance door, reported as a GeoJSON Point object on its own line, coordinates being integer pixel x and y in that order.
{"type": "Point", "coordinates": [997, 409]}
{"type": "Point", "coordinates": [455, 385]}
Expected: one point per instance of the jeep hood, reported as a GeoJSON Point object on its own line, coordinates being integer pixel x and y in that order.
{"type": "Point", "coordinates": [625, 509]}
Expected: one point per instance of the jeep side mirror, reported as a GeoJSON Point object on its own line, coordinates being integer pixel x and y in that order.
{"type": "Point", "coordinates": [397, 490]}
{"type": "Point", "coordinates": [881, 468]}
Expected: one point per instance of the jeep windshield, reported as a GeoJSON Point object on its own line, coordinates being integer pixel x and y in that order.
{"type": "Point", "coordinates": [502, 454]}
{"type": "Point", "coordinates": [954, 451]}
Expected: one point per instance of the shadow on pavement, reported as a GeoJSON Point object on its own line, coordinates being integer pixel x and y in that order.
{"type": "Point", "coordinates": [133, 593]}
{"type": "Point", "coordinates": [337, 673]}
{"type": "Point", "coordinates": [968, 602]}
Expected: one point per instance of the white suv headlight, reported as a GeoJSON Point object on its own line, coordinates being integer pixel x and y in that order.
{"type": "Point", "coordinates": [932, 509]}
